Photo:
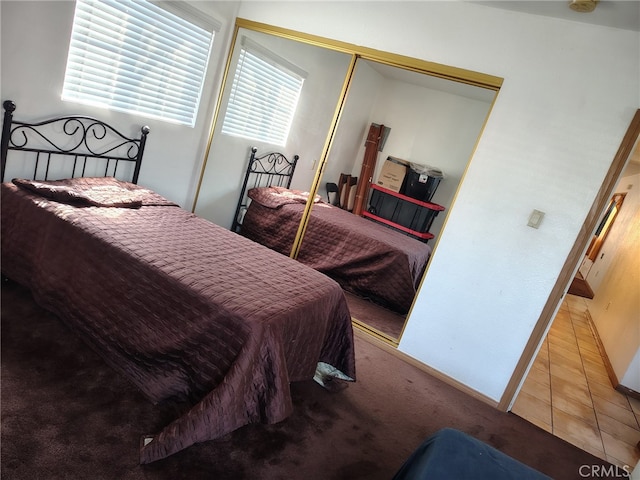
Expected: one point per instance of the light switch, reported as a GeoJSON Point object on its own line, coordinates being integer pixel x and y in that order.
{"type": "Point", "coordinates": [535, 219]}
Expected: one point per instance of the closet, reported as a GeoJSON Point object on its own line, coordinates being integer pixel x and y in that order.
{"type": "Point", "coordinates": [435, 114]}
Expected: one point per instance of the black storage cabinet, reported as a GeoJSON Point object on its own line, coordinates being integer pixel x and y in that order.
{"type": "Point", "coordinates": [393, 207]}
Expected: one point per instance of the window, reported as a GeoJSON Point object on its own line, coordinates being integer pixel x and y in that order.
{"type": "Point", "coordinates": [139, 58]}
{"type": "Point", "coordinates": [264, 96]}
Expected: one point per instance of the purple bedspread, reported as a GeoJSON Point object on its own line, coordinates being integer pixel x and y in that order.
{"type": "Point", "coordinates": [366, 258]}
{"type": "Point", "coordinates": [188, 311]}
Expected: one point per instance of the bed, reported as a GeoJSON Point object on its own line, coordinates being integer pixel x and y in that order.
{"type": "Point", "coordinates": [271, 169]}
{"type": "Point", "coordinates": [453, 454]}
{"type": "Point", "coordinates": [364, 257]}
{"type": "Point", "coordinates": [191, 313]}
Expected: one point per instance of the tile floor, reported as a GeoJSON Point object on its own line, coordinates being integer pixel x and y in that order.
{"type": "Point", "coordinates": [568, 392]}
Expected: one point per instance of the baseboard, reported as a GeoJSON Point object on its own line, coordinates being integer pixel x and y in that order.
{"type": "Point", "coordinates": [374, 331]}
{"type": "Point", "coordinates": [613, 378]}
{"type": "Point", "coordinates": [384, 345]}
{"type": "Point", "coordinates": [629, 392]}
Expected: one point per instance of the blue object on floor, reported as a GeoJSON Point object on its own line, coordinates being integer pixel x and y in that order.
{"type": "Point", "coordinates": [453, 455]}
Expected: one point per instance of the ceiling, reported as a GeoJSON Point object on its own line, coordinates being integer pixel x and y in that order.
{"type": "Point", "coordinates": [432, 82]}
{"type": "Point", "coordinates": [624, 14]}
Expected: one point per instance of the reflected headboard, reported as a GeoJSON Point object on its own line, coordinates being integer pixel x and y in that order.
{"type": "Point", "coordinates": [268, 170]}
{"type": "Point", "coordinates": [70, 146]}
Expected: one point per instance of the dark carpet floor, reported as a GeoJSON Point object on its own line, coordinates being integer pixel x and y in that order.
{"type": "Point", "coordinates": [66, 415]}
{"type": "Point", "coordinates": [375, 316]}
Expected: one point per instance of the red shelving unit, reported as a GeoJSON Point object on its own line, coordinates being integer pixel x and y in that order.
{"type": "Point", "coordinates": [401, 212]}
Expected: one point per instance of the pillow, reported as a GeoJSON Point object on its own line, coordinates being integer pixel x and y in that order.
{"type": "Point", "coordinates": [93, 191]}
{"type": "Point", "coordinates": [276, 197]}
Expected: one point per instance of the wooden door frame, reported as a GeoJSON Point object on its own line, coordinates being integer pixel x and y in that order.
{"type": "Point", "coordinates": [572, 262]}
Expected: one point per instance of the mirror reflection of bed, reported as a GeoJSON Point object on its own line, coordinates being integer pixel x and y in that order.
{"type": "Point", "coordinates": [430, 120]}
{"type": "Point", "coordinates": [378, 264]}
{"type": "Point", "coordinates": [323, 73]}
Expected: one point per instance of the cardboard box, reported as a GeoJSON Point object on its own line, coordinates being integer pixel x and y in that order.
{"type": "Point", "coordinates": [392, 174]}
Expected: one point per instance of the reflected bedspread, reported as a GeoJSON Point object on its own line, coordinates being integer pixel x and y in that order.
{"type": "Point", "coordinates": [364, 257]}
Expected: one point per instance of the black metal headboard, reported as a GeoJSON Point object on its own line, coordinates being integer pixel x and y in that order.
{"type": "Point", "coordinates": [87, 142]}
{"type": "Point", "coordinates": [269, 170]}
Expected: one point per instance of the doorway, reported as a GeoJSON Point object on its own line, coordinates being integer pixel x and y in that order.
{"type": "Point", "coordinates": [569, 394]}
{"type": "Point", "coordinates": [569, 389]}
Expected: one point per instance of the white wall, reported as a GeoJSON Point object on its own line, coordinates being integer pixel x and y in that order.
{"type": "Point", "coordinates": [347, 151]}
{"type": "Point", "coordinates": [429, 126]}
{"type": "Point", "coordinates": [569, 93]}
{"type": "Point", "coordinates": [615, 307]}
{"type": "Point", "coordinates": [34, 41]}
{"type": "Point", "coordinates": [615, 238]}
{"type": "Point", "coordinates": [631, 378]}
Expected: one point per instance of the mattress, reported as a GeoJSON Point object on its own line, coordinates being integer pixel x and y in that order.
{"type": "Point", "coordinates": [364, 257]}
{"type": "Point", "coordinates": [190, 312]}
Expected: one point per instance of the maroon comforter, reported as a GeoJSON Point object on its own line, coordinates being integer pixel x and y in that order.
{"type": "Point", "coordinates": [364, 257]}
{"type": "Point", "coordinates": [187, 310]}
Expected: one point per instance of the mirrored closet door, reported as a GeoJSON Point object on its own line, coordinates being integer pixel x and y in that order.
{"type": "Point", "coordinates": [301, 84]}
{"type": "Point", "coordinates": [431, 125]}
{"type": "Point", "coordinates": [424, 119]}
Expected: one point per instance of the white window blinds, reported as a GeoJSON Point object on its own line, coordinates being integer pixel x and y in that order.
{"type": "Point", "coordinates": [138, 58]}
{"type": "Point", "coordinates": [264, 96]}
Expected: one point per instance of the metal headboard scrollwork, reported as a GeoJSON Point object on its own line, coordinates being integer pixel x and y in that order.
{"type": "Point", "coordinates": [83, 139]}
{"type": "Point", "coordinates": [269, 170]}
